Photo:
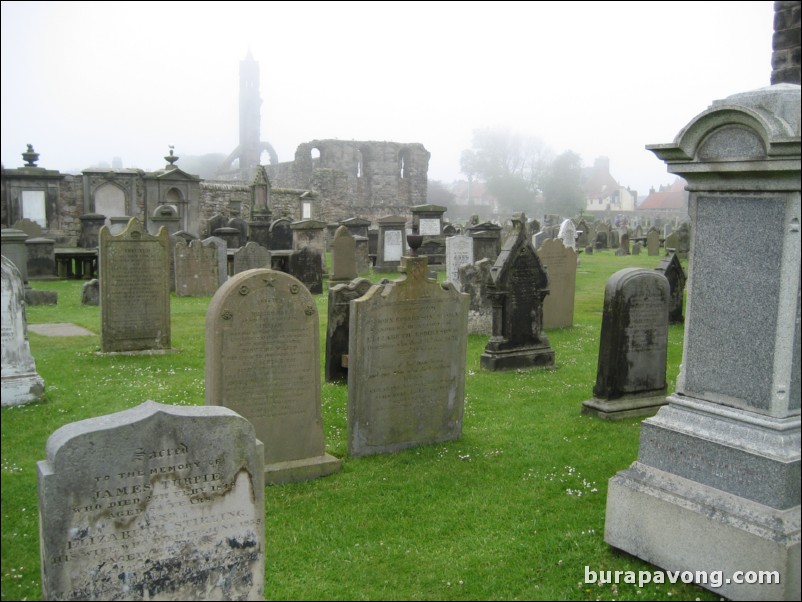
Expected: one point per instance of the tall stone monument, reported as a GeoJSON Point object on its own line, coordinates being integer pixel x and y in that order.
{"type": "Point", "coordinates": [517, 289]}
{"type": "Point", "coordinates": [716, 486]}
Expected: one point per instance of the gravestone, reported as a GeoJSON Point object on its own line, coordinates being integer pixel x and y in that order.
{"type": "Point", "coordinates": [221, 249]}
{"type": "Point", "coordinates": [41, 258]}
{"type": "Point", "coordinates": [671, 242]}
{"type": "Point", "coordinates": [21, 383]}
{"type": "Point", "coordinates": [459, 252]}
{"type": "Point", "coordinates": [90, 230]}
{"type": "Point", "coordinates": [90, 292]}
{"type": "Point", "coordinates": [305, 265]}
{"type": "Point", "coordinates": [720, 464]}
{"type": "Point", "coordinates": [391, 243]}
{"type": "Point", "coordinates": [281, 235]}
{"type": "Point", "coordinates": [623, 242]}
{"type": "Point", "coordinates": [156, 502]}
{"type": "Point", "coordinates": [683, 240]}
{"type": "Point", "coordinates": [250, 257]}
{"type": "Point", "coordinates": [242, 227]}
{"type": "Point", "coordinates": [653, 242]}
{"type": "Point", "coordinates": [406, 363]}
{"type": "Point", "coordinates": [428, 219]}
{"type": "Point", "coordinates": [196, 269]}
{"type": "Point", "coordinates": [671, 268]}
{"type": "Point", "coordinates": [173, 239]}
{"type": "Point", "coordinates": [343, 257]}
{"type": "Point", "coordinates": [263, 362]}
{"type": "Point", "coordinates": [14, 249]}
{"type": "Point", "coordinates": [475, 279]}
{"type": "Point", "coordinates": [486, 240]}
{"type": "Point", "coordinates": [310, 234]}
{"type": "Point", "coordinates": [636, 248]}
{"type": "Point", "coordinates": [567, 234]}
{"type": "Point", "coordinates": [231, 236]}
{"type": "Point", "coordinates": [583, 234]}
{"type": "Point", "coordinates": [134, 290]}
{"type": "Point", "coordinates": [338, 327]}
{"type": "Point", "coordinates": [215, 222]}
{"type": "Point", "coordinates": [631, 373]}
{"type": "Point", "coordinates": [30, 227]}
{"type": "Point", "coordinates": [602, 236]}
{"type": "Point", "coordinates": [559, 262]}
{"type": "Point", "coordinates": [357, 226]}
{"type": "Point", "coordinates": [518, 285]}
{"type": "Point", "coordinates": [167, 216]}
{"type": "Point", "coordinates": [362, 253]}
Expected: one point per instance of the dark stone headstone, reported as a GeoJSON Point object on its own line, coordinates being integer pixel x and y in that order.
{"type": "Point", "coordinates": [281, 235]}
{"type": "Point", "coordinates": [306, 266]}
{"type": "Point", "coordinates": [338, 325]}
{"type": "Point", "coordinates": [671, 268]}
{"type": "Point", "coordinates": [90, 292]}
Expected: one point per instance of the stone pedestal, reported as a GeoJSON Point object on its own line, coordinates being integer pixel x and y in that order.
{"type": "Point", "coordinates": [716, 486]}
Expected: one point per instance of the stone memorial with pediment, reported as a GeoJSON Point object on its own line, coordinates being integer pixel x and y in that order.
{"type": "Point", "coordinates": [263, 362]}
{"type": "Point", "coordinates": [391, 243]}
{"type": "Point", "coordinates": [518, 285]}
{"type": "Point", "coordinates": [156, 502]}
{"type": "Point", "coordinates": [21, 382]}
{"type": "Point", "coordinates": [720, 464]}
{"type": "Point", "coordinates": [406, 366]}
{"type": "Point", "coordinates": [134, 290]}
{"type": "Point", "coordinates": [633, 346]}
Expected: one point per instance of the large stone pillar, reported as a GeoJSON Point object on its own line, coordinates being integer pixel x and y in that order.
{"type": "Point", "coordinates": [716, 486]}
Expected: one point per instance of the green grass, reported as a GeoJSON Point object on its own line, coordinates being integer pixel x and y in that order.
{"type": "Point", "coordinates": [512, 510]}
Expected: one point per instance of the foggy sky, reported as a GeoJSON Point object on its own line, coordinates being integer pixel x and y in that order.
{"type": "Point", "coordinates": [87, 82]}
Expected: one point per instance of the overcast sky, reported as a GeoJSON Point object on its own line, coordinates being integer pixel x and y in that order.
{"type": "Point", "coordinates": [85, 82]}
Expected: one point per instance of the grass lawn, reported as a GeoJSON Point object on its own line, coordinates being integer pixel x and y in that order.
{"type": "Point", "coordinates": [512, 510]}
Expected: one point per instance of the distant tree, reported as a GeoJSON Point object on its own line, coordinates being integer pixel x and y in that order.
{"type": "Point", "coordinates": [438, 194]}
{"type": "Point", "coordinates": [562, 185]}
{"type": "Point", "coordinates": [511, 165]}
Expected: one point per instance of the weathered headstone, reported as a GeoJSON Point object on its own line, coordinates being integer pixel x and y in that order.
{"type": "Point", "coordinates": [633, 347]}
{"type": "Point", "coordinates": [173, 238]}
{"type": "Point", "coordinates": [459, 252]}
{"type": "Point", "coordinates": [281, 235]}
{"type": "Point", "coordinates": [134, 290]}
{"type": "Point", "coordinates": [559, 262]}
{"type": "Point", "coordinates": [311, 234]}
{"type": "Point", "coordinates": [90, 292]}
{"type": "Point", "coordinates": [716, 485]}
{"type": "Point", "coordinates": [343, 257]}
{"type": "Point", "coordinates": [263, 362]}
{"type": "Point", "coordinates": [196, 269]}
{"type": "Point", "coordinates": [517, 288]}
{"type": "Point", "coordinates": [338, 327]}
{"type": "Point", "coordinates": [305, 265]}
{"type": "Point", "coordinates": [15, 250]}
{"type": "Point", "coordinates": [475, 279]}
{"type": "Point", "coordinates": [362, 253]}
{"type": "Point", "coordinates": [251, 256]}
{"type": "Point", "coordinates": [41, 258]}
{"type": "Point", "coordinates": [653, 242]}
{"type": "Point", "coordinates": [406, 367]}
{"type": "Point", "coordinates": [21, 383]}
{"type": "Point", "coordinates": [153, 503]}
{"type": "Point", "coordinates": [486, 240]}
{"type": "Point", "coordinates": [671, 268]}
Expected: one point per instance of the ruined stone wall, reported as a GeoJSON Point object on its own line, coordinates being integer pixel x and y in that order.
{"type": "Point", "coordinates": [357, 178]}
{"type": "Point", "coordinates": [785, 56]}
{"type": "Point", "coordinates": [229, 199]}
{"type": "Point", "coordinates": [70, 207]}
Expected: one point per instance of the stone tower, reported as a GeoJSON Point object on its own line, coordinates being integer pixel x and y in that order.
{"type": "Point", "coordinates": [251, 146]}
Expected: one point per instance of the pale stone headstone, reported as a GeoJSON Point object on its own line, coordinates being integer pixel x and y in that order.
{"type": "Point", "coordinates": [716, 484]}
{"type": "Point", "coordinates": [90, 292]}
{"type": "Point", "coordinates": [196, 269]}
{"type": "Point", "coordinates": [362, 253]}
{"type": "Point", "coordinates": [406, 367]}
{"type": "Point", "coordinates": [475, 279]}
{"type": "Point", "coordinates": [567, 234]}
{"type": "Point", "coordinates": [263, 362]}
{"type": "Point", "coordinates": [21, 383]}
{"type": "Point", "coordinates": [251, 256]}
{"type": "Point", "coordinates": [338, 327]}
{"type": "Point", "coordinates": [343, 257]}
{"type": "Point", "coordinates": [134, 290]}
{"type": "Point", "coordinates": [459, 252]}
{"type": "Point", "coordinates": [631, 374]}
{"type": "Point", "coordinates": [518, 286]}
{"type": "Point", "coordinates": [560, 264]}
{"type": "Point", "coordinates": [156, 502]}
